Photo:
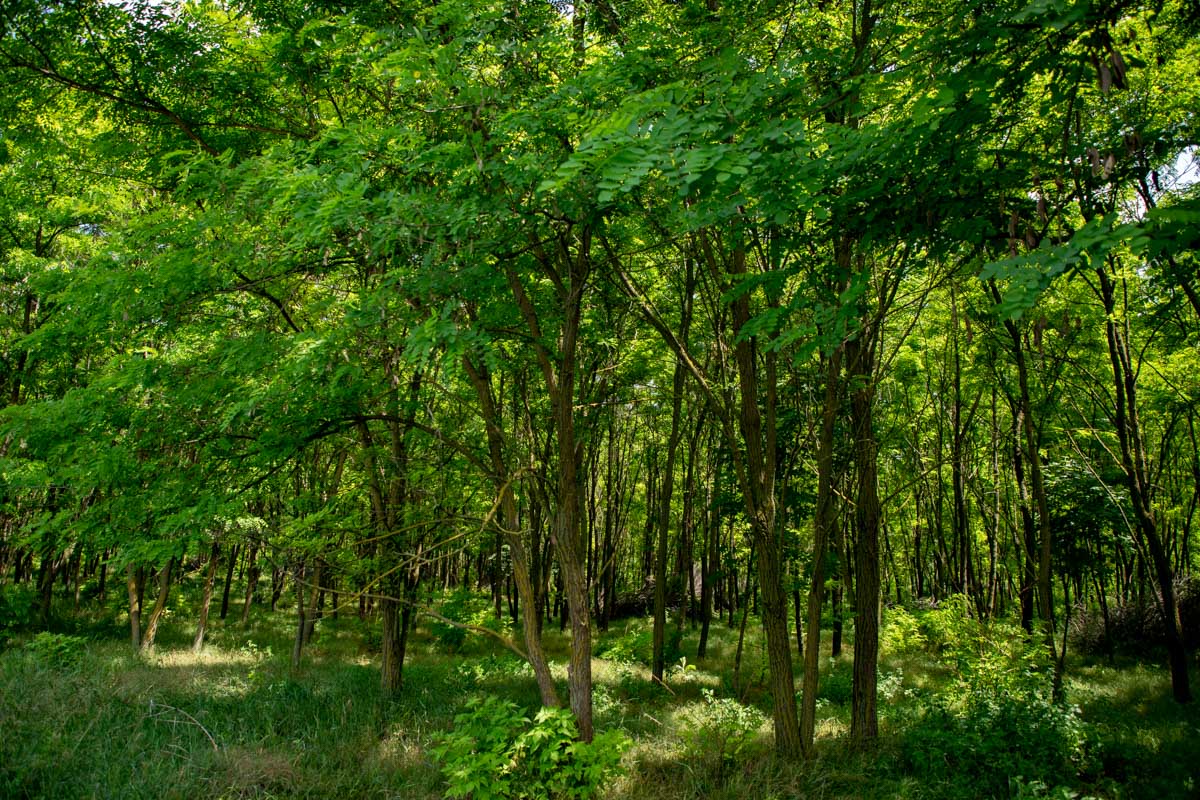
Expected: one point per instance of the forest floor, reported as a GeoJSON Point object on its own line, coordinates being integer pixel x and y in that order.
{"type": "Point", "coordinates": [82, 716]}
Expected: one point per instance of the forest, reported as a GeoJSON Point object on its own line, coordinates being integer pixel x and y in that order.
{"type": "Point", "coordinates": [609, 399]}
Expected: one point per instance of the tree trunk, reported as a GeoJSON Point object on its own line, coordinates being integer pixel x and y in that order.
{"type": "Point", "coordinates": [824, 518]}
{"type": "Point", "coordinates": [160, 605]}
{"type": "Point", "coordinates": [864, 716]}
{"type": "Point", "coordinates": [252, 574]}
{"type": "Point", "coordinates": [301, 620]}
{"type": "Point", "coordinates": [134, 577]}
{"type": "Point", "coordinates": [510, 530]}
{"type": "Point", "coordinates": [1134, 464]}
{"type": "Point", "coordinates": [666, 489]}
{"type": "Point", "coordinates": [233, 557]}
{"type": "Point", "coordinates": [206, 599]}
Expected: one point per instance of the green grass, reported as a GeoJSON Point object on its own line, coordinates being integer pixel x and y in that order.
{"type": "Point", "coordinates": [235, 721]}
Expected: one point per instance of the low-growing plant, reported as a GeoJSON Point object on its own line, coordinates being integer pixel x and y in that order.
{"type": "Point", "coordinates": [998, 719]}
{"type": "Point", "coordinates": [56, 649]}
{"type": "Point", "coordinates": [901, 631]}
{"type": "Point", "coordinates": [836, 686]}
{"type": "Point", "coordinates": [16, 610]}
{"type": "Point", "coordinates": [721, 730]}
{"type": "Point", "coordinates": [469, 609]}
{"type": "Point", "coordinates": [497, 753]}
{"type": "Point", "coordinates": [947, 625]}
{"type": "Point", "coordinates": [635, 645]}
{"type": "Point", "coordinates": [493, 668]}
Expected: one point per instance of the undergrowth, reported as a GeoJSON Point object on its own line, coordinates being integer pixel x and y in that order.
{"type": "Point", "coordinates": [965, 712]}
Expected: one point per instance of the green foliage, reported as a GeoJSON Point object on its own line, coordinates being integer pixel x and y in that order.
{"type": "Point", "coordinates": [56, 649]}
{"type": "Point", "coordinates": [998, 718]}
{"type": "Point", "coordinates": [468, 608]}
{"type": "Point", "coordinates": [496, 752]}
{"type": "Point", "coordinates": [491, 670]}
{"type": "Point", "coordinates": [901, 631]}
{"type": "Point", "coordinates": [16, 609]}
{"type": "Point", "coordinates": [634, 645]}
{"type": "Point", "coordinates": [949, 626]}
{"type": "Point", "coordinates": [722, 730]}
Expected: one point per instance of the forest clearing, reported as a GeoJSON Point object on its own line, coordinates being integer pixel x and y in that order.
{"type": "Point", "coordinates": [610, 398]}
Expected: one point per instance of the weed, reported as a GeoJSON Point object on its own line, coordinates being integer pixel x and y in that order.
{"type": "Point", "coordinates": [496, 753]}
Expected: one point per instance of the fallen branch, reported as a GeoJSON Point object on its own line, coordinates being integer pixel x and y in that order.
{"type": "Point", "coordinates": [190, 720]}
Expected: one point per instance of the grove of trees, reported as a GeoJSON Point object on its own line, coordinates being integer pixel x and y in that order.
{"type": "Point", "coordinates": [696, 309]}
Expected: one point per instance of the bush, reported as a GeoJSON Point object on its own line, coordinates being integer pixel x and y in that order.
{"type": "Point", "coordinates": [998, 720]}
{"type": "Point", "coordinates": [948, 625]}
{"type": "Point", "coordinates": [466, 608]}
{"type": "Point", "coordinates": [16, 610]}
{"type": "Point", "coordinates": [901, 631]}
{"type": "Point", "coordinates": [496, 753]}
{"type": "Point", "coordinates": [836, 686]}
{"type": "Point", "coordinates": [722, 730]}
{"type": "Point", "coordinates": [56, 649]}
{"type": "Point", "coordinates": [634, 645]}
{"type": "Point", "coordinates": [493, 670]}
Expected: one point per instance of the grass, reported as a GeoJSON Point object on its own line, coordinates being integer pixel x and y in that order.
{"type": "Point", "coordinates": [85, 717]}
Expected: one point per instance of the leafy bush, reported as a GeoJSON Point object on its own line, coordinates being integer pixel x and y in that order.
{"type": "Point", "coordinates": [493, 669]}
{"type": "Point", "coordinates": [949, 624]}
{"type": "Point", "coordinates": [836, 686]}
{"type": "Point", "coordinates": [466, 608]}
{"type": "Point", "coordinates": [635, 645]}
{"type": "Point", "coordinates": [16, 610]}
{"type": "Point", "coordinates": [56, 649]}
{"type": "Point", "coordinates": [721, 731]}
{"type": "Point", "coordinates": [495, 753]}
{"type": "Point", "coordinates": [998, 719]}
{"type": "Point", "coordinates": [901, 631]}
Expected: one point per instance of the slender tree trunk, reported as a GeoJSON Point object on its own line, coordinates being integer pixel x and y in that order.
{"type": "Point", "coordinates": [206, 599]}
{"type": "Point", "coordinates": [160, 605]}
{"type": "Point", "coordinates": [864, 716]}
{"type": "Point", "coordinates": [234, 552]}
{"type": "Point", "coordinates": [134, 577]}
{"type": "Point", "coordinates": [301, 617]}
{"type": "Point", "coordinates": [253, 572]}
{"type": "Point", "coordinates": [708, 566]}
{"type": "Point", "coordinates": [531, 618]}
{"type": "Point", "coordinates": [824, 519]}
{"type": "Point", "coordinates": [759, 435]}
{"type": "Point", "coordinates": [666, 489]}
{"type": "Point", "coordinates": [1134, 465]}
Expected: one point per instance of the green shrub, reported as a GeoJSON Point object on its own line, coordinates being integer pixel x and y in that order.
{"type": "Point", "coordinates": [16, 610]}
{"type": "Point", "coordinates": [998, 720]}
{"type": "Point", "coordinates": [493, 669]}
{"type": "Point", "coordinates": [721, 730]}
{"type": "Point", "coordinates": [496, 753]}
{"type": "Point", "coordinates": [949, 624]}
{"type": "Point", "coordinates": [901, 631]}
{"type": "Point", "coordinates": [56, 649]}
{"type": "Point", "coordinates": [635, 645]}
{"type": "Point", "coordinates": [467, 608]}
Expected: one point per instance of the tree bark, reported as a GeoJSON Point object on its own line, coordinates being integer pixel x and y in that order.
{"type": "Point", "coordinates": [510, 530]}
{"type": "Point", "coordinates": [160, 605]}
{"type": "Point", "coordinates": [664, 523]}
{"type": "Point", "coordinates": [206, 599]}
{"type": "Point", "coordinates": [864, 715]}
{"type": "Point", "coordinates": [1134, 465]}
{"type": "Point", "coordinates": [234, 552]}
{"type": "Point", "coordinates": [824, 518]}
{"type": "Point", "coordinates": [133, 580]}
